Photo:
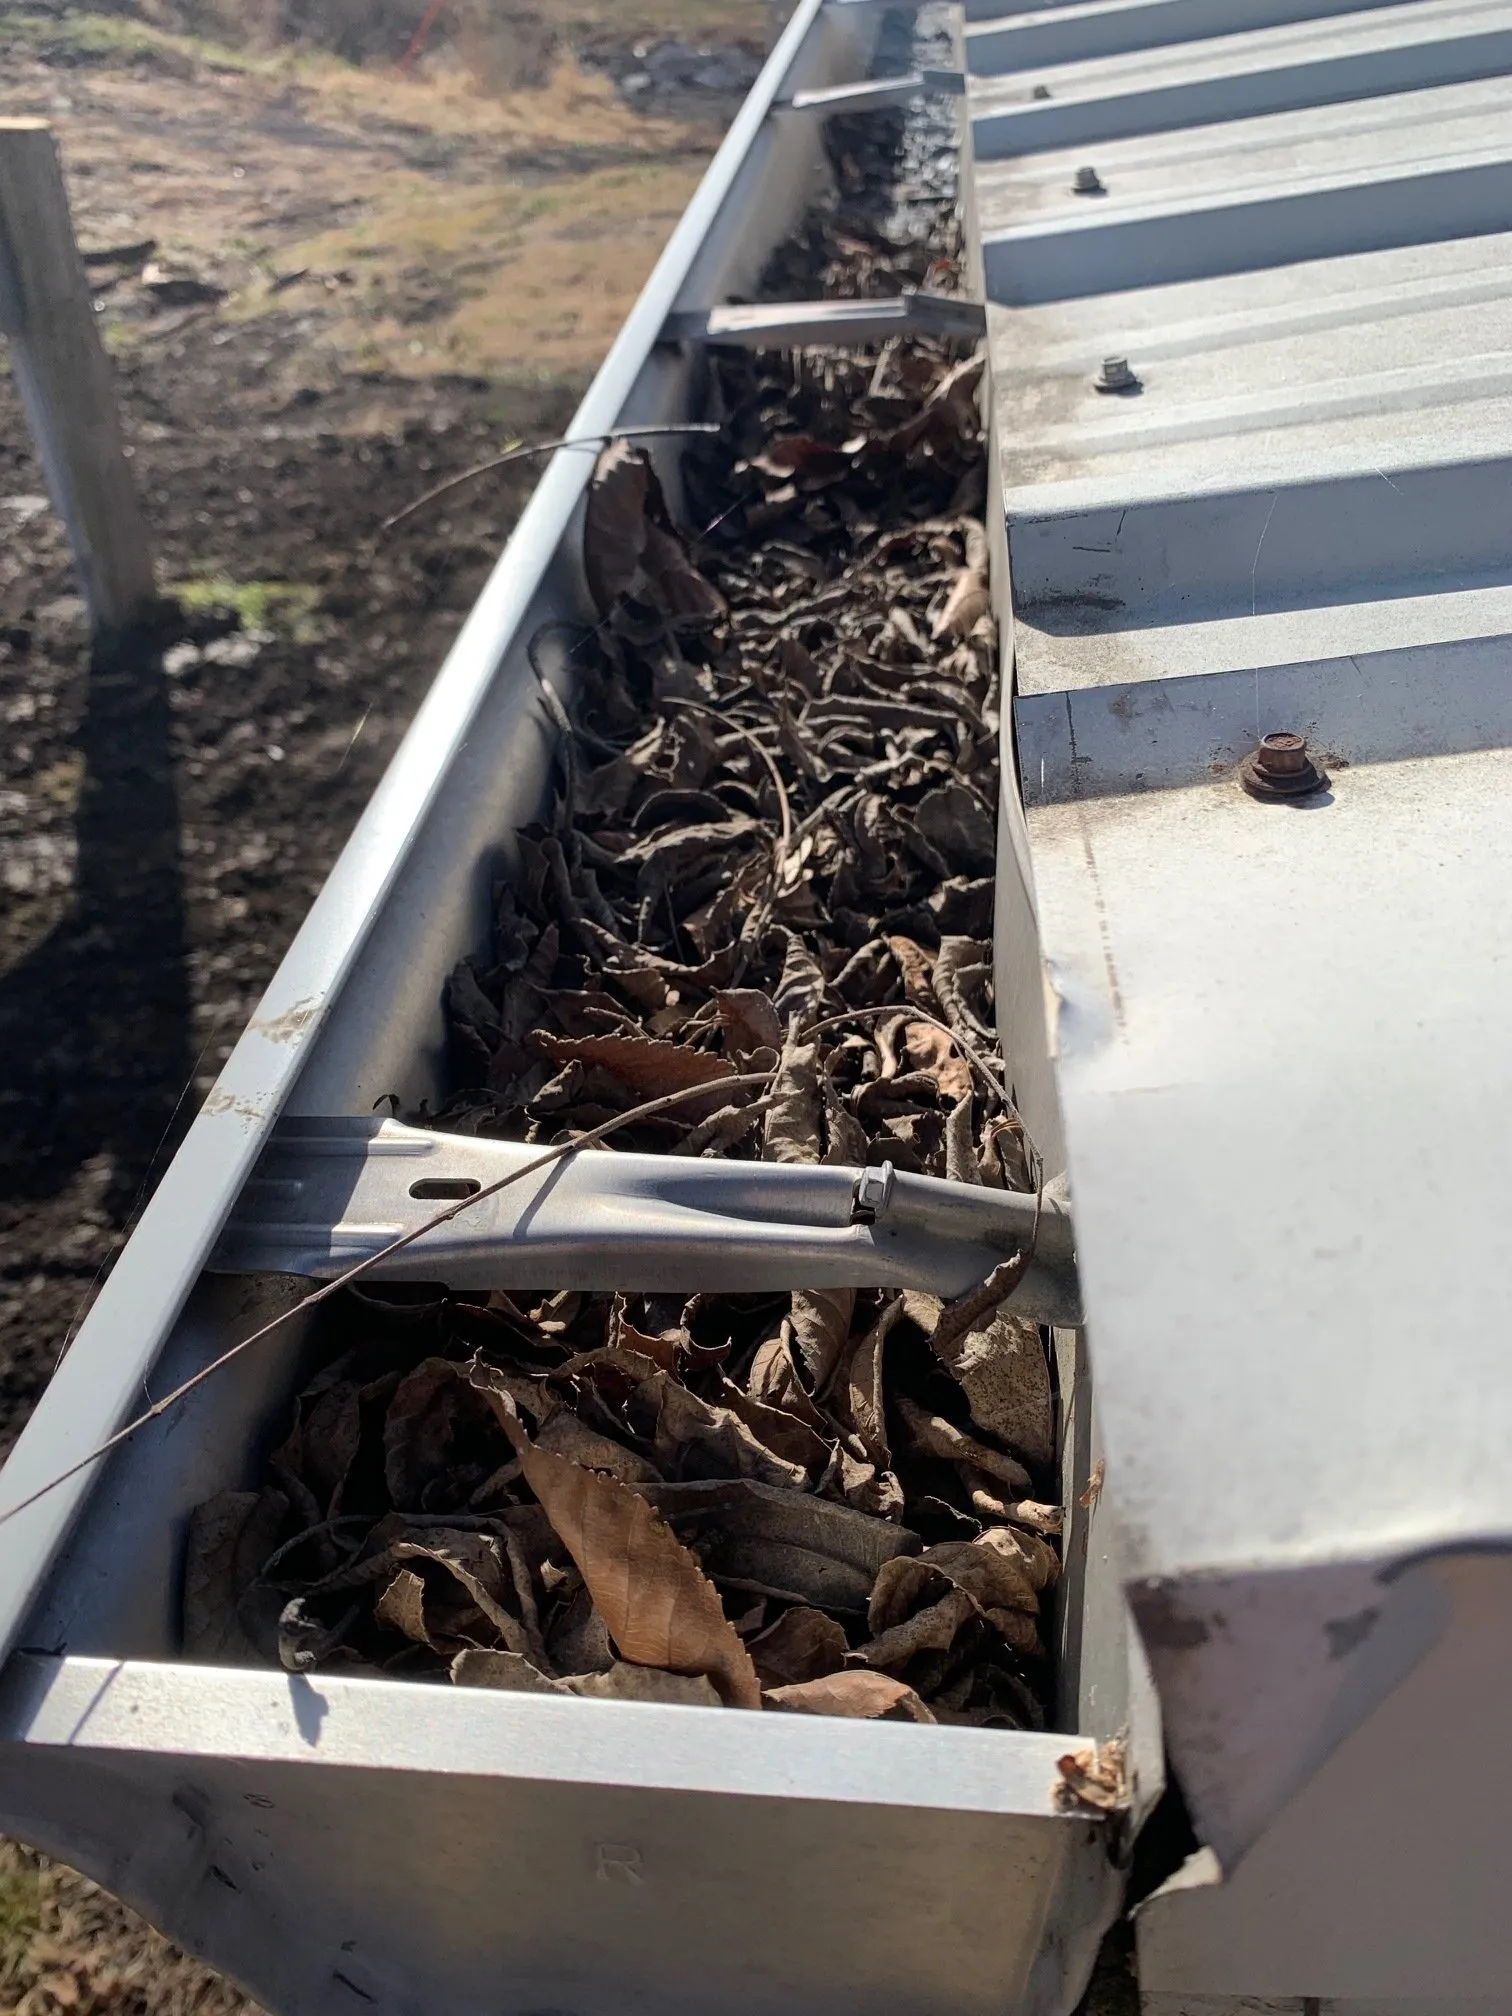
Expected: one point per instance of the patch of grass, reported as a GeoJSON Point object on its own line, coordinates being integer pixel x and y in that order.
{"type": "Point", "coordinates": [103, 39]}
{"type": "Point", "coordinates": [287, 608]}
{"type": "Point", "coordinates": [521, 279]}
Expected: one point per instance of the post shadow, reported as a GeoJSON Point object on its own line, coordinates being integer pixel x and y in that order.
{"type": "Point", "coordinates": [95, 1040]}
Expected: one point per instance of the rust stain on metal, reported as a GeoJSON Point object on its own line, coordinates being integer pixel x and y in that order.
{"type": "Point", "coordinates": [1280, 768]}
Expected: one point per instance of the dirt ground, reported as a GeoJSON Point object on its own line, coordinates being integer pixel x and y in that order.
{"type": "Point", "coordinates": [355, 285]}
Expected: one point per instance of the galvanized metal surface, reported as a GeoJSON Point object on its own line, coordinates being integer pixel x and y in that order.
{"type": "Point", "coordinates": [329, 1193]}
{"type": "Point", "coordinates": [876, 94]}
{"type": "Point", "coordinates": [1273, 1034]}
{"type": "Point", "coordinates": [1319, 62]}
{"type": "Point", "coordinates": [495, 1853]}
{"type": "Point", "coordinates": [779, 324]}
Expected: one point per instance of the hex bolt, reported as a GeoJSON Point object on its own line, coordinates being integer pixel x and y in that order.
{"type": "Point", "coordinates": [1281, 755]}
{"type": "Point", "coordinates": [1281, 767]}
{"type": "Point", "coordinates": [1088, 183]}
{"type": "Point", "coordinates": [1116, 375]}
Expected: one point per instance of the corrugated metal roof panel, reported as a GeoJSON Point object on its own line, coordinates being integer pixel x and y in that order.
{"type": "Point", "coordinates": [1278, 1030]}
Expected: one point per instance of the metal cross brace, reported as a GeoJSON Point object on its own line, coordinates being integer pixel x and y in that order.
{"type": "Point", "coordinates": [331, 1192]}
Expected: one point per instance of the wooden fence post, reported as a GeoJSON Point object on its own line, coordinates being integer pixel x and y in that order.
{"type": "Point", "coordinates": [64, 375]}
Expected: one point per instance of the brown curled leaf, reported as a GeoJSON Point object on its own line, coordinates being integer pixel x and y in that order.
{"type": "Point", "coordinates": [1097, 1777]}
{"type": "Point", "coordinates": [999, 1361]}
{"type": "Point", "coordinates": [802, 1645]}
{"type": "Point", "coordinates": [932, 1629]}
{"type": "Point", "coordinates": [508, 1673]}
{"type": "Point", "coordinates": [933, 1435]}
{"type": "Point", "coordinates": [862, 1695]}
{"type": "Point", "coordinates": [795, 1119]}
{"type": "Point", "coordinates": [969, 600]}
{"type": "Point", "coordinates": [1001, 1569]}
{"type": "Point", "coordinates": [820, 1328]}
{"type": "Point", "coordinates": [644, 1064]}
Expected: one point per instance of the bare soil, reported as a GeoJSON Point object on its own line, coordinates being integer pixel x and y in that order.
{"type": "Point", "coordinates": [386, 296]}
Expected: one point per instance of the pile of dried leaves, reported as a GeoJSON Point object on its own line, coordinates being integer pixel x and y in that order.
{"type": "Point", "coordinates": [718, 1501]}
{"type": "Point", "coordinates": [774, 840]}
{"type": "Point", "coordinates": [770, 851]}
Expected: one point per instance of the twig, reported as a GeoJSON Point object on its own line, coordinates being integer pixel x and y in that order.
{"type": "Point", "coordinates": [523, 454]}
{"type": "Point", "coordinates": [323, 1293]}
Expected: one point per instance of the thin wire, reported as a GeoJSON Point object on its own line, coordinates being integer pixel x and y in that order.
{"type": "Point", "coordinates": [742, 1081]}
{"type": "Point", "coordinates": [523, 454]}
{"type": "Point", "coordinates": [911, 1014]}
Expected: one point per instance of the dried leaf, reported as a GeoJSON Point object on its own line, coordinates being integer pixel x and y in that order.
{"type": "Point", "coordinates": [510, 1672]}
{"type": "Point", "coordinates": [916, 967]}
{"type": "Point", "coordinates": [230, 1538]}
{"type": "Point", "coordinates": [578, 1641]}
{"type": "Point", "coordinates": [646, 1066]}
{"type": "Point", "coordinates": [1001, 1365]}
{"type": "Point", "coordinates": [953, 819]}
{"type": "Point", "coordinates": [787, 1544]}
{"type": "Point", "coordinates": [438, 1428]}
{"type": "Point", "coordinates": [788, 1434]}
{"type": "Point", "coordinates": [1097, 1777]}
{"type": "Point", "coordinates": [795, 1119]}
{"type": "Point", "coordinates": [477, 1564]}
{"type": "Point", "coordinates": [566, 1435]}
{"type": "Point", "coordinates": [1001, 1569]}
{"type": "Point", "coordinates": [401, 1608]}
{"type": "Point", "coordinates": [933, 1435]}
{"type": "Point", "coordinates": [751, 1023]}
{"type": "Point", "coordinates": [821, 1324]}
{"type": "Point", "coordinates": [802, 1645]}
{"type": "Point", "coordinates": [932, 1629]}
{"type": "Point", "coordinates": [629, 547]}
{"type": "Point", "coordinates": [932, 1050]}
{"type": "Point", "coordinates": [622, 1682]}
{"type": "Point", "coordinates": [969, 600]}
{"type": "Point", "coordinates": [684, 1422]}
{"type": "Point", "coordinates": [650, 1592]}
{"type": "Point", "coordinates": [864, 1696]}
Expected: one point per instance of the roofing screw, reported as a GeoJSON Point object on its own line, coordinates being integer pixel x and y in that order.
{"type": "Point", "coordinates": [1281, 768]}
{"type": "Point", "coordinates": [1116, 376]}
{"type": "Point", "coordinates": [1088, 183]}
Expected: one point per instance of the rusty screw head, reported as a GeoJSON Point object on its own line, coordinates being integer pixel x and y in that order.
{"type": "Point", "coordinates": [1116, 375]}
{"type": "Point", "coordinates": [1281, 768]}
{"type": "Point", "coordinates": [1088, 183]}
